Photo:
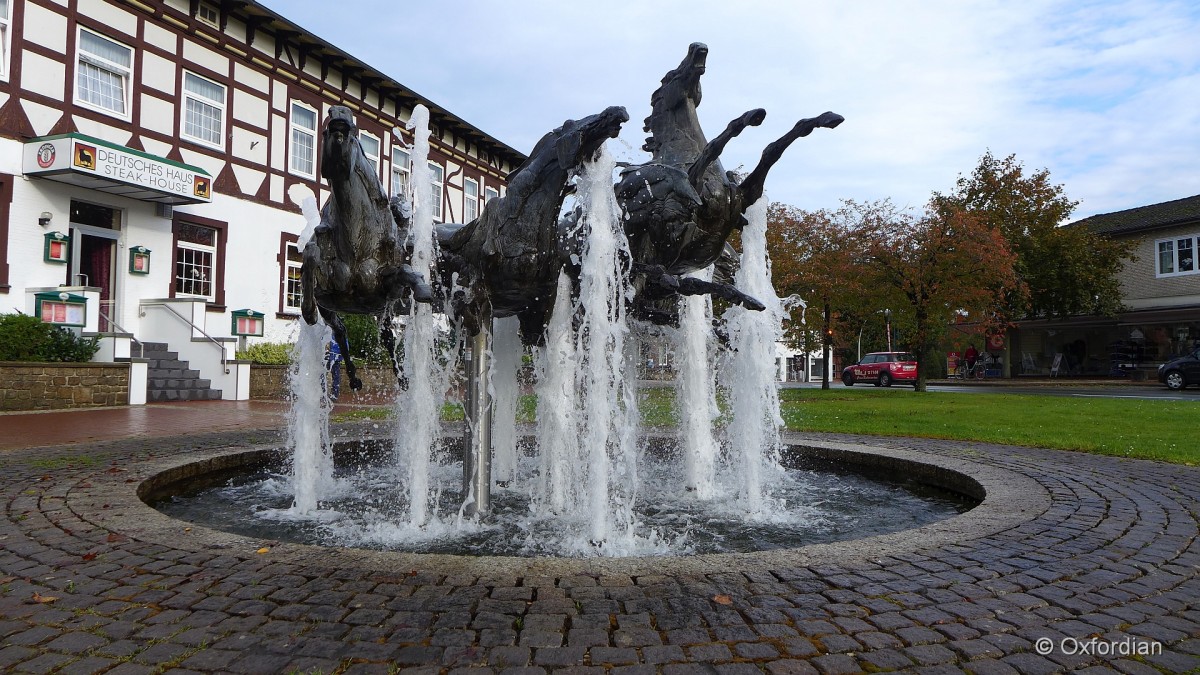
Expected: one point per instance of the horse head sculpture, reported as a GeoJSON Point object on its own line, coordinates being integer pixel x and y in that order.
{"type": "Point", "coordinates": [357, 260]}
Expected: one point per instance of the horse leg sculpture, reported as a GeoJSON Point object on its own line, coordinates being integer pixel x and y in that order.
{"type": "Point", "coordinates": [713, 150]}
{"type": "Point", "coordinates": [752, 188]}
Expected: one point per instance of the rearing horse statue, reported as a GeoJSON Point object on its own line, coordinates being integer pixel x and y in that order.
{"type": "Point", "coordinates": [357, 260]}
{"type": "Point", "coordinates": [682, 205]}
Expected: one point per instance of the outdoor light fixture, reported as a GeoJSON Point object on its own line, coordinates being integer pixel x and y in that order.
{"type": "Point", "coordinates": [45, 218]}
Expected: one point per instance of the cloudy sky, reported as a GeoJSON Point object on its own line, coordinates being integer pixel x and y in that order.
{"type": "Point", "coordinates": [1104, 94]}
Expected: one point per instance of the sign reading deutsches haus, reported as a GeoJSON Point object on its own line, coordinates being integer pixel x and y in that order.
{"type": "Point", "coordinates": [74, 158]}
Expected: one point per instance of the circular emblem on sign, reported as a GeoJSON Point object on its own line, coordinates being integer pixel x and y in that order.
{"type": "Point", "coordinates": [45, 155]}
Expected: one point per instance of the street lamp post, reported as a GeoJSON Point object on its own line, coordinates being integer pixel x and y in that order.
{"type": "Point", "coordinates": [887, 315]}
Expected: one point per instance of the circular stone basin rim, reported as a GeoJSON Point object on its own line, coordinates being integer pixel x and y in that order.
{"type": "Point", "coordinates": [1007, 499]}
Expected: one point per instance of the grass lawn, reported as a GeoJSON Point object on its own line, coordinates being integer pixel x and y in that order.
{"type": "Point", "coordinates": [1163, 430]}
{"type": "Point", "coordinates": [1145, 429]}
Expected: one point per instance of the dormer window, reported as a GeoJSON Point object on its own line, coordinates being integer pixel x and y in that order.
{"type": "Point", "coordinates": [209, 14]}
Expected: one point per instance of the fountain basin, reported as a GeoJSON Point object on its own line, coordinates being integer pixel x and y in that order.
{"type": "Point", "coordinates": [824, 496]}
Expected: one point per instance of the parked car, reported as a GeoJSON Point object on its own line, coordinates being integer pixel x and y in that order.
{"type": "Point", "coordinates": [882, 369]}
{"type": "Point", "coordinates": [1181, 372]}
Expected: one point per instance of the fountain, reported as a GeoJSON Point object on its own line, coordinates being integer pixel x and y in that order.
{"type": "Point", "coordinates": [564, 264]}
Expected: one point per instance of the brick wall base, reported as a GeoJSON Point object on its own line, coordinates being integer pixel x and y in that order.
{"type": "Point", "coordinates": [57, 386]}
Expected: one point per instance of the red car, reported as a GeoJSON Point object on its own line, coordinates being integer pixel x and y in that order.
{"type": "Point", "coordinates": [882, 369]}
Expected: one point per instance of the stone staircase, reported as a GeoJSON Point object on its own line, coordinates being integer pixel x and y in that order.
{"type": "Point", "coordinates": [170, 379]}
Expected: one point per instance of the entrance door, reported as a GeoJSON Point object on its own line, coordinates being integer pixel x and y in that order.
{"type": "Point", "coordinates": [97, 267]}
{"type": "Point", "coordinates": [94, 234]}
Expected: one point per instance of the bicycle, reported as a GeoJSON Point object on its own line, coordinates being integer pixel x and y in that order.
{"type": "Point", "coordinates": [965, 372]}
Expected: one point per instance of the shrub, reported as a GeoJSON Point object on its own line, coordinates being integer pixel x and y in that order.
{"type": "Point", "coordinates": [362, 332]}
{"type": "Point", "coordinates": [27, 338]}
{"type": "Point", "coordinates": [268, 353]}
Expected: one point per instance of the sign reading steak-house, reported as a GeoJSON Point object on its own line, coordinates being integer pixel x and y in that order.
{"type": "Point", "coordinates": [91, 162]}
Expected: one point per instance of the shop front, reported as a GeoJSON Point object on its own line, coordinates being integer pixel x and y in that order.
{"type": "Point", "coordinates": [1132, 344]}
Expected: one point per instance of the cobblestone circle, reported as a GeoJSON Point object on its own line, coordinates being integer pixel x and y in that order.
{"type": "Point", "coordinates": [1102, 563]}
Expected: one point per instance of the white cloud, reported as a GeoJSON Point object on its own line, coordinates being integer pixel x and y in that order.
{"type": "Point", "coordinates": [1103, 93]}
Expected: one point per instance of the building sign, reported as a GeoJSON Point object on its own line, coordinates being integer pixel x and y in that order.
{"type": "Point", "coordinates": [62, 309]}
{"type": "Point", "coordinates": [108, 167]}
{"type": "Point", "coordinates": [246, 322]}
{"type": "Point", "coordinates": [139, 260]}
{"type": "Point", "coordinates": [57, 247]}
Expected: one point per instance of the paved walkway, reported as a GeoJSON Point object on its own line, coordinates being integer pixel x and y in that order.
{"type": "Point", "coordinates": [1102, 561]}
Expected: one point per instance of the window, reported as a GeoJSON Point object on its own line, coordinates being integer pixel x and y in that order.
{"type": "Point", "coordinates": [470, 200]}
{"type": "Point", "coordinates": [198, 259]}
{"type": "Point", "coordinates": [489, 194]}
{"type": "Point", "coordinates": [401, 167]}
{"type": "Point", "coordinates": [370, 148]}
{"type": "Point", "coordinates": [195, 258]}
{"type": "Point", "coordinates": [304, 140]}
{"type": "Point", "coordinates": [203, 110]}
{"type": "Point", "coordinates": [102, 74]}
{"type": "Point", "coordinates": [291, 259]}
{"type": "Point", "coordinates": [5, 20]}
{"type": "Point", "coordinates": [208, 14]}
{"type": "Point", "coordinates": [437, 175]}
{"type": "Point", "coordinates": [1177, 256]}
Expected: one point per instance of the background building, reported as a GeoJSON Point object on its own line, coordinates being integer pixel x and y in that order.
{"type": "Point", "coordinates": [1160, 289]}
{"type": "Point", "coordinates": [147, 154]}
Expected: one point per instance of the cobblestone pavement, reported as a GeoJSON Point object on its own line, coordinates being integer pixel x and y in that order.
{"type": "Point", "coordinates": [1111, 553]}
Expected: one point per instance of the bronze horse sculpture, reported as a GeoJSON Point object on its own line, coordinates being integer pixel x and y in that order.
{"type": "Point", "coordinates": [682, 206]}
{"type": "Point", "coordinates": [357, 260]}
{"type": "Point", "coordinates": [680, 209]}
{"type": "Point", "coordinates": [510, 255]}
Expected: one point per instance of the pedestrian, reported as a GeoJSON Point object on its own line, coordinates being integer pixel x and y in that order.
{"type": "Point", "coordinates": [972, 356]}
{"type": "Point", "coordinates": [333, 363]}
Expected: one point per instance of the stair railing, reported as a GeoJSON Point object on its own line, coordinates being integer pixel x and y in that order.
{"type": "Point", "coordinates": [141, 348]}
{"type": "Point", "coordinates": [218, 345]}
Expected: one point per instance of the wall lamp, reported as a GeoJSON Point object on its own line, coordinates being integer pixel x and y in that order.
{"type": "Point", "coordinates": [45, 218]}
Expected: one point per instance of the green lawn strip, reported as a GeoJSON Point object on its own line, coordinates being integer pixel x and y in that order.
{"type": "Point", "coordinates": [1121, 427]}
{"type": "Point", "coordinates": [1143, 429]}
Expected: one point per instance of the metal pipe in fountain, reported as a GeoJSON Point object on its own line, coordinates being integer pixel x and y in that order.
{"type": "Point", "coordinates": [477, 451]}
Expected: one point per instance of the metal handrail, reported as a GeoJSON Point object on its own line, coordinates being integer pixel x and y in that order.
{"type": "Point", "coordinates": [141, 347]}
{"type": "Point", "coordinates": [218, 345]}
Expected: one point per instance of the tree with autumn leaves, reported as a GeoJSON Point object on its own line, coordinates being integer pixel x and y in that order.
{"type": "Point", "coordinates": [1067, 271]}
{"type": "Point", "coordinates": [865, 257]}
{"type": "Point", "coordinates": [994, 250]}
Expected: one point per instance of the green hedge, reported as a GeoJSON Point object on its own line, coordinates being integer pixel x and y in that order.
{"type": "Point", "coordinates": [27, 338]}
{"type": "Point", "coordinates": [268, 353]}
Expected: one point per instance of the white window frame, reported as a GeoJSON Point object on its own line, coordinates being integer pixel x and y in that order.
{"type": "Point", "coordinates": [215, 21]}
{"type": "Point", "coordinates": [295, 130]}
{"type": "Point", "coordinates": [470, 201]}
{"type": "Point", "coordinates": [212, 266]}
{"type": "Point", "coordinates": [373, 159]}
{"type": "Point", "coordinates": [436, 186]}
{"type": "Point", "coordinates": [203, 100]}
{"type": "Point", "coordinates": [490, 193]}
{"type": "Point", "coordinates": [1194, 239]}
{"type": "Point", "coordinates": [5, 39]}
{"type": "Point", "coordinates": [288, 266]}
{"type": "Point", "coordinates": [401, 171]}
{"type": "Point", "coordinates": [125, 73]}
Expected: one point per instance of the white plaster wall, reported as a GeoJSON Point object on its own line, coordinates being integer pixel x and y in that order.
{"type": "Point", "coordinates": [158, 72]}
{"type": "Point", "coordinates": [111, 16]}
{"type": "Point", "coordinates": [158, 115]}
{"type": "Point", "coordinates": [251, 78]}
{"type": "Point", "coordinates": [42, 75]}
{"type": "Point", "coordinates": [51, 27]}
{"type": "Point", "coordinates": [250, 109]}
{"type": "Point", "coordinates": [197, 53]}
{"type": "Point", "coordinates": [160, 37]}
